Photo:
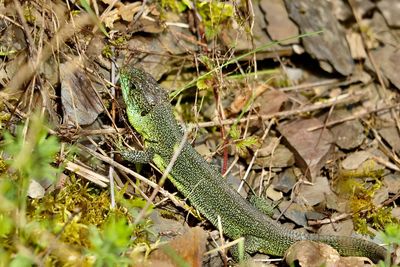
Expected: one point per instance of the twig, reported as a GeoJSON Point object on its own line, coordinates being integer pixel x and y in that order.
{"type": "Point", "coordinates": [167, 171]}
{"type": "Point", "coordinates": [330, 220]}
{"type": "Point", "coordinates": [134, 174]}
{"type": "Point", "coordinates": [86, 173]}
{"type": "Point", "coordinates": [386, 163]}
{"type": "Point", "coordinates": [111, 168]}
{"type": "Point", "coordinates": [255, 155]}
{"type": "Point", "coordinates": [307, 86]}
{"type": "Point", "coordinates": [353, 117]}
{"type": "Point", "coordinates": [26, 71]}
{"type": "Point", "coordinates": [353, 5]}
{"type": "Point", "coordinates": [342, 99]}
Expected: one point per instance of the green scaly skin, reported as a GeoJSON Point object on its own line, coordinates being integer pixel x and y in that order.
{"type": "Point", "coordinates": [150, 113]}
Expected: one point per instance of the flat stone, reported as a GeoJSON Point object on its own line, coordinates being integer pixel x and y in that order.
{"type": "Point", "coordinates": [166, 228]}
{"type": "Point", "coordinates": [391, 135]}
{"type": "Point", "coordinates": [396, 212]}
{"type": "Point", "coordinates": [390, 9]}
{"type": "Point", "coordinates": [279, 25]}
{"type": "Point", "coordinates": [314, 194]}
{"type": "Point", "coordinates": [382, 32]}
{"type": "Point", "coordinates": [281, 158]}
{"type": "Point", "coordinates": [285, 181]}
{"type": "Point", "coordinates": [392, 182]}
{"type": "Point", "coordinates": [273, 194]}
{"type": "Point", "coordinates": [342, 228]}
{"type": "Point", "coordinates": [387, 58]}
{"type": "Point", "coordinates": [334, 202]}
{"type": "Point", "coordinates": [311, 148]}
{"type": "Point", "coordinates": [313, 215]}
{"type": "Point", "coordinates": [330, 48]}
{"type": "Point", "coordinates": [294, 212]}
{"type": "Point", "coordinates": [381, 195]}
{"type": "Point", "coordinates": [349, 134]}
{"type": "Point", "coordinates": [341, 10]}
{"type": "Point", "coordinates": [354, 160]}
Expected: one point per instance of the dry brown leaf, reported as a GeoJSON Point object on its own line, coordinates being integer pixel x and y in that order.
{"type": "Point", "coordinates": [80, 102]}
{"type": "Point", "coordinates": [190, 246]}
{"type": "Point", "coordinates": [127, 12]}
{"type": "Point", "coordinates": [275, 100]}
{"type": "Point", "coordinates": [121, 11]}
{"type": "Point", "coordinates": [311, 148]}
{"type": "Point", "coordinates": [312, 254]}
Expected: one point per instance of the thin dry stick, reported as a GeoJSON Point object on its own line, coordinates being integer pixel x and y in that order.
{"type": "Point", "coordinates": [26, 71]}
{"type": "Point", "coordinates": [134, 174]}
{"type": "Point", "coordinates": [255, 155]}
{"type": "Point", "coordinates": [32, 48]}
{"type": "Point", "coordinates": [11, 20]}
{"type": "Point", "coordinates": [330, 220]}
{"type": "Point", "coordinates": [349, 215]}
{"type": "Point", "coordinates": [353, 5]}
{"type": "Point", "coordinates": [235, 160]}
{"type": "Point", "coordinates": [353, 117]}
{"type": "Point", "coordinates": [386, 163]}
{"type": "Point", "coordinates": [227, 245]}
{"type": "Point", "coordinates": [86, 173]}
{"type": "Point", "coordinates": [396, 119]}
{"type": "Point", "coordinates": [342, 99]}
{"type": "Point", "coordinates": [111, 168]}
{"type": "Point", "coordinates": [270, 162]}
{"type": "Point", "coordinates": [164, 176]}
{"type": "Point", "coordinates": [307, 86]}
{"type": "Point", "coordinates": [221, 237]}
{"type": "Point", "coordinates": [385, 149]}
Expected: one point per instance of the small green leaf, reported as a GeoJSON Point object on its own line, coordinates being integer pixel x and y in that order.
{"type": "Point", "coordinates": [235, 132]}
{"type": "Point", "coordinates": [21, 261]}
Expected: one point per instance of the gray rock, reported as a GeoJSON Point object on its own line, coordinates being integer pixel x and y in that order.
{"type": "Point", "coordinates": [349, 134]}
{"type": "Point", "coordinates": [285, 181]}
{"type": "Point", "coordinates": [294, 212]}
{"type": "Point", "coordinates": [330, 48]}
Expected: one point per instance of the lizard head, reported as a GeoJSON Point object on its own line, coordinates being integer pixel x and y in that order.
{"type": "Point", "coordinates": [141, 94]}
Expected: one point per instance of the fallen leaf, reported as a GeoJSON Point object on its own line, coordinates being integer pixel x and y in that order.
{"type": "Point", "coordinates": [310, 148]}
{"type": "Point", "coordinates": [81, 105]}
{"type": "Point", "coordinates": [312, 254]}
{"type": "Point", "coordinates": [275, 100]}
{"type": "Point", "coordinates": [190, 247]}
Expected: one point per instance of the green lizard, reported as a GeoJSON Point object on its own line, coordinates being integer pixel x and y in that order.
{"type": "Point", "coordinates": [150, 113]}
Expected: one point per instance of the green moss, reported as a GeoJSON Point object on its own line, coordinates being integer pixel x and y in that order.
{"type": "Point", "coordinates": [360, 186]}
{"type": "Point", "coordinates": [76, 208]}
{"type": "Point", "coordinates": [72, 225]}
{"type": "Point", "coordinates": [107, 51]}
{"type": "Point", "coordinates": [28, 13]}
